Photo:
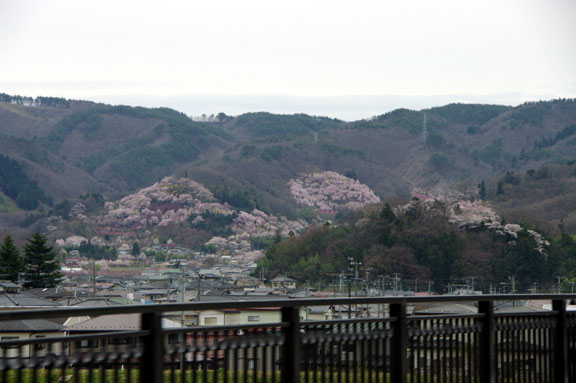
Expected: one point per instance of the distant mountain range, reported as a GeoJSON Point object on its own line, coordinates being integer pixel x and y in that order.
{"type": "Point", "coordinates": [69, 148]}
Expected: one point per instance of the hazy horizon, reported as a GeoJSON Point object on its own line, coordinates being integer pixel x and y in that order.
{"type": "Point", "coordinates": [346, 108]}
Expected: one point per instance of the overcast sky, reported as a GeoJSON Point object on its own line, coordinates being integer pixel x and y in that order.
{"type": "Point", "coordinates": [346, 59]}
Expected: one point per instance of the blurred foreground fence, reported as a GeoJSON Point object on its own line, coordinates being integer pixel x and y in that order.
{"type": "Point", "coordinates": [483, 346]}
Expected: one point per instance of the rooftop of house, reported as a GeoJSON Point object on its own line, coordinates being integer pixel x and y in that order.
{"type": "Point", "coordinates": [21, 299]}
{"type": "Point", "coordinates": [54, 293]}
{"type": "Point", "coordinates": [119, 322]}
{"type": "Point", "coordinates": [99, 302]}
{"type": "Point", "coordinates": [283, 279]}
{"type": "Point", "coordinates": [29, 325]}
{"type": "Point", "coordinates": [9, 286]}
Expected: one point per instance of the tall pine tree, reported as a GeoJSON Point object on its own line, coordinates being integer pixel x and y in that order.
{"type": "Point", "coordinates": [11, 264]}
{"type": "Point", "coordinates": [42, 269]}
{"type": "Point", "coordinates": [135, 249]}
{"type": "Point", "coordinates": [482, 190]}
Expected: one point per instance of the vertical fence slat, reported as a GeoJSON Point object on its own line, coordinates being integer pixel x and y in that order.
{"type": "Point", "coordinates": [487, 343]}
{"type": "Point", "coordinates": [399, 365]}
{"type": "Point", "coordinates": [560, 342]}
{"type": "Point", "coordinates": [151, 362]}
{"type": "Point", "coordinates": [291, 357]}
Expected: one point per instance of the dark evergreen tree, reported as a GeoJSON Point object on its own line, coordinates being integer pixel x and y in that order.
{"type": "Point", "coordinates": [387, 214]}
{"type": "Point", "coordinates": [482, 190]}
{"type": "Point", "coordinates": [277, 237]}
{"type": "Point", "coordinates": [527, 263]}
{"type": "Point", "coordinates": [351, 174]}
{"type": "Point", "coordinates": [499, 188]}
{"type": "Point", "coordinates": [11, 264]}
{"type": "Point", "coordinates": [135, 249]}
{"type": "Point", "coordinates": [91, 251]}
{"type": "Point", "coordinates": [42, 269]}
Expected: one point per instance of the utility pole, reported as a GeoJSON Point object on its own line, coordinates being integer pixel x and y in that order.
{"type": "Point", "coordinates": [199, 289]}
{"type": "Point", "coordinates": [424, 128]}
{"type": "Point", "coordinates": [183, 319]}
{"type": "Point", "coordinates": [559, 284]}
{"type": "Point", "coordinates": [182, 294]}
{"type": "Point", "coordinates": [94, 278]}
{"type": "Point", "coordinates": [472, 284]}
{"type": "Point", "coordinates": [396, 284]}
{"type": "Point", "coordinates": [513, 289]}
{"type": "Point", "coordinates": [512, 284]}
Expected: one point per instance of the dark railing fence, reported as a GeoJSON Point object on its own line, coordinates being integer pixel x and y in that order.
{"type": "Point", "coordinates": [483, 347]}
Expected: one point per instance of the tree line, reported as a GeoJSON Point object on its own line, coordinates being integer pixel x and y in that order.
{"type": "Point", "coordinates": [55, 102]}
{"type": "Point", "coordinates": [37, 267]}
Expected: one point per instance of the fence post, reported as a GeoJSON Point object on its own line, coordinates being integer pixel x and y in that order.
{"type": "Point", "coordinates": [487, 352]}
{"type": "Point", "coordinates": [152, 359]}
{"type": "Point", "coordinates": [291, 356]}
{"type": "Point", "coordinates": [398, 352]}
{"type": "Point", "coordinates": [560, 342]}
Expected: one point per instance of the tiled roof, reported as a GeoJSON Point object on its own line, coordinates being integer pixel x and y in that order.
{"type": "Point", "coordinates": [9, 285]}
{"type": "Point", "coordinates": [96, 303]}
{"type": "Point", "coordinates": [23, 300]}
{"type": "Point", "coordinates": [49, 293]}
{"type": "Point", "coordinates": [29, 325]}
{"type": "Point", "coordinates": [119, 322]}
{"type": "Point", "coordinates": [283, 279]}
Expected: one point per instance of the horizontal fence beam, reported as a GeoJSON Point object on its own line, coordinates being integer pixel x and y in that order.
{"type": "Point", "coordinates": [226, 304]}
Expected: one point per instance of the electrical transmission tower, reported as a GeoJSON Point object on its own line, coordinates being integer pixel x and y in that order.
{"type": "Point", "coordinates": [424, 128]}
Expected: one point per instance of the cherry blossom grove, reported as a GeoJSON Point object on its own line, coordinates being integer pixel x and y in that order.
{"type": "Point", "coordinates": [175, 200]}
{"type": "Point", "coordinates": [260, 224]}
{"type": "Point", "coordinates": [331, 190]}
{"type": "Point", "coordinates": [167, 202]}
{"type": "Point", "coordinates": [473, 214]}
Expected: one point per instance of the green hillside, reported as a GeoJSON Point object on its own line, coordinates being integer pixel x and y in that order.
{"type": "Point", "coordinates": [7, 205]}
{"type": "Point", "coordinates": [15, 184]}
{"type": "Point", "coordinates": [75, 147]}
{"type": "Point", "coordinates": [544, 197]}
{"type": "Point", "coordinates": [418, 244]}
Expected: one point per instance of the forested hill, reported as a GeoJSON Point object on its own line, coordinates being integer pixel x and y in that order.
{"type": "Point", "coordinates": [418, 242]}
{"type": "Point", "coordinates": [74, 147]}
{"type": "Point", "coordinates": [70, 148]}
{"type": "Point", "coordinates": [544, 197]}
